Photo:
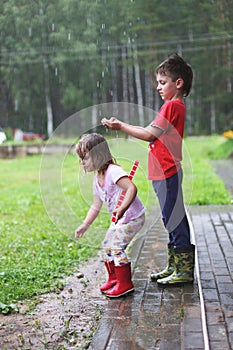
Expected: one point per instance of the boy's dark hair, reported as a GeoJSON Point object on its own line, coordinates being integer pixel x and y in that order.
{"type": "Point", "coordinates": [97, 147]}
{"type": "Point", "coordinates": [176, 67]}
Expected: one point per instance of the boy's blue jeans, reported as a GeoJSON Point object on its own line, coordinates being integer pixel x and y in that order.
{"type": "Point", "coordinates": [170, 196]}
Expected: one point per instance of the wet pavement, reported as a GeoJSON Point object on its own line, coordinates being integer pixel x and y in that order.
{"type": "Point", "coordinates": [198, 316]}
{"type": "Point", "coordinates": [213, 227]}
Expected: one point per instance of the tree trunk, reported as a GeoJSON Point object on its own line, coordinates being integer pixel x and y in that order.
{"type": "Point", "coordinates": [94, 112]}
{"type": "Point", "coordinates": [125, 84]}
{"type": "Point", "coordinates": [130, 76]}
{"type": "Point", "coordinates": [229, 60]}
{"type": "Point", "coordinates": [47, 99]}
{"type": "Point", "coordinates": [138, 85]}
{"type": "Point", "coordinates": [212, 117]}
{"type": "Point", "coordinates": [149, 92]}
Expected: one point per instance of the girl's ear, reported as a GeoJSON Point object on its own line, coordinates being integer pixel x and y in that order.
{"type": "Point", "coordinates": [179, 83]}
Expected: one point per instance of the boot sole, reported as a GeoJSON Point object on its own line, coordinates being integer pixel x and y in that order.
{"type": "Point", "coordinates": [155, 279]}
{"type": "Point", "coordinates": [120, 295]}
{"type": "Point", "coordinates": [177, 284]}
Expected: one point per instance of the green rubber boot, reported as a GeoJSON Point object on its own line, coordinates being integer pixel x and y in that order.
{"type": "Point", "coordinates": [169, 269]}
{"type": "Point", "coordinates": [184, 269]}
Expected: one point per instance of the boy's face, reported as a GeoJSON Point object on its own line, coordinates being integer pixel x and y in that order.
{"type": "Point", "coordinates": [168, 89]}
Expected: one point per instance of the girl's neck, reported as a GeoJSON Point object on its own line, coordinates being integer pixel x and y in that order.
{"type": "Point", "coordinates": [100, 177]}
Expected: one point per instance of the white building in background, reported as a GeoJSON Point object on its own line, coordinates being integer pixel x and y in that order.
{"type": "Point", "coordinates": [2, 136]}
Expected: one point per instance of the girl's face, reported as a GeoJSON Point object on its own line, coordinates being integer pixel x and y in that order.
{"type": "Point", "coordinates": [168, 89]}
{"type": "Point", "coordinates": [87, 163]}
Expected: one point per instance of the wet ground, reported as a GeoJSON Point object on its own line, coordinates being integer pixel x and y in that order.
{"type": "Point", "coordinates": [64, 320]}
{"type": "Point", "coordinates": [150, 318]}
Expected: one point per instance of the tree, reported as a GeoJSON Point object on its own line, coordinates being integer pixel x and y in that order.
{"type": "Point", "coordinates": [60, 56]}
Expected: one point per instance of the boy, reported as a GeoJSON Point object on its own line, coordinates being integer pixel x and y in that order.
{"type": "Point", "coordinates": [174, 81]}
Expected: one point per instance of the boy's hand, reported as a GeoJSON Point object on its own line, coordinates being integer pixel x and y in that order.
{"type": "Point", "coordinates": [112, 123]}
{"type": "Point", "coordinates": [81, 230]}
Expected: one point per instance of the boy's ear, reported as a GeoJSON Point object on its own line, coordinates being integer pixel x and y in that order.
{"type": "Point", "coordinates": [179, 83]}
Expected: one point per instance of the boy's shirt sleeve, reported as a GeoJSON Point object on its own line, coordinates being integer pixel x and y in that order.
{"type": "Point", "coordinates": [162, 119]}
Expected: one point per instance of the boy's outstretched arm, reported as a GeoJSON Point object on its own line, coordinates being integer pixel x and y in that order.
{"type": "Point", "coordinates": [90, 217]}
{"type": "Point", "coordinates": [148, 133]}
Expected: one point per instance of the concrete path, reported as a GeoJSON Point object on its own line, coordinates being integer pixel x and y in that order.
{"type": "Point", "coordinates": [223, 168]}
{"type": "Point", "coordinates": [197, 317]}
{"type": "Point", "coordinates": [213, 228]}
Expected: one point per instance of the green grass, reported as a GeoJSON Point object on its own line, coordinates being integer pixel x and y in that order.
{"type": "Point", "coordinates": [35, 254]}
{"type": "Point", "coordinates": [37, 242]}
{"type": "Point", "coordinates": [219, 148]}
{"type": "Point", "coordinates": [201, 185]}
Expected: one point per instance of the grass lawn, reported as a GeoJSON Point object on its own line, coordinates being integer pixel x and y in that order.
{"type": "Point", "coordinates": [44, 199]}
{"type": "Point", "coordinates": [201, 185]}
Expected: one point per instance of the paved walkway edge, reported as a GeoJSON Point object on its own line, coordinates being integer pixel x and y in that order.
{"type": "Point", "coordinates": [198, 277]}
{"type": "Point", "coordinates": [192, 317]}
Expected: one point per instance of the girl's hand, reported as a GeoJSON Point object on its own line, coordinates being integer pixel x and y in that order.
{"type": "Point", "coordinates": [81, 230]}
{"type": "Point", "coordinates": [118, 212]}
{"type": "Point", "coordinates": [90, 217]}
{"type": "Point", "coordinates": [130, 193]}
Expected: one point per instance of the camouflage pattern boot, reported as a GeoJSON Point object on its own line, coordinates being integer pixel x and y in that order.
{"type": "Point", "coordinates": [184, 269]}
{"type": "Point", "coordinates": [169, 269]}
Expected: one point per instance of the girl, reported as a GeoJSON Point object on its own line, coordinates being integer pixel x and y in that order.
{"type": "Point", "coordinates": [109, 181]}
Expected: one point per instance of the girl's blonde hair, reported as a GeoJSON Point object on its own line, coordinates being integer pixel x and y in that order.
{"type": "Point", "coordinates": [97, 148]}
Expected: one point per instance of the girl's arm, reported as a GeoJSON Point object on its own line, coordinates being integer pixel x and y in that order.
{"type": "Point", "coordinates": [131, 191]}
{"type": "Point", "coordinates": [148, 133]}
{"type": "Point", "coordinates": [90, 217]}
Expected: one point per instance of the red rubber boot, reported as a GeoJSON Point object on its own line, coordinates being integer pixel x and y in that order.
{"type": "Point", "coordinates": [124, 284]}
{"type": "Point", "coordinates": [111, 282]}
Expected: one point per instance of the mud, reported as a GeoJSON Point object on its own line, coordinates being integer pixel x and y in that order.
{"type": "Point", "coordinates": [66, 320]}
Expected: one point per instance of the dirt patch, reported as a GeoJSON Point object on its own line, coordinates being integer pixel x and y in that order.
{"type": "Point", "coordinates": [66, 320]}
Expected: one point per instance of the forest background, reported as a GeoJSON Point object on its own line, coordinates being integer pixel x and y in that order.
{"type": "Point", "coordinates": [58, 57]}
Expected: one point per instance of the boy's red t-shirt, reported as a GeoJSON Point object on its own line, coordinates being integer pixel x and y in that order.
{"type": "Point", "coordinates": [165, 153]}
